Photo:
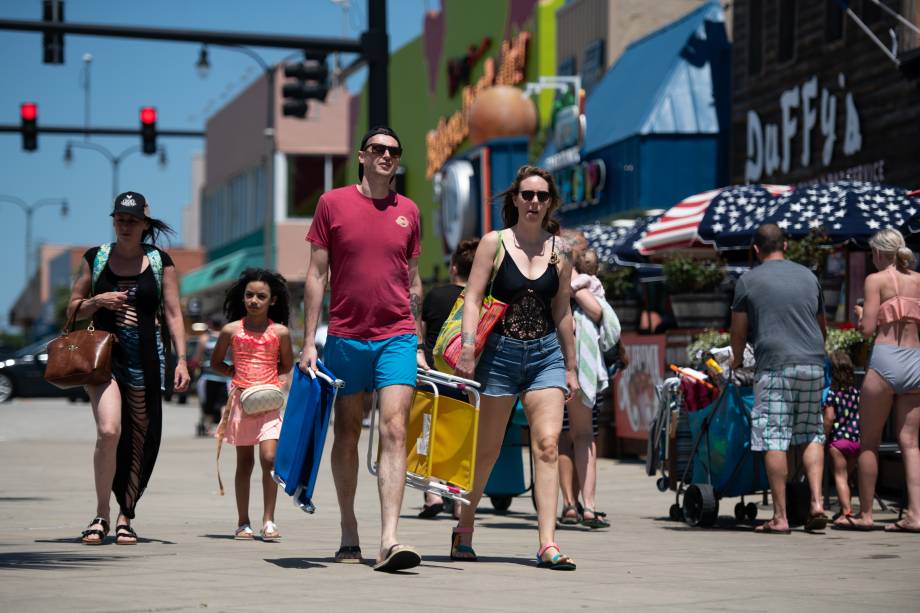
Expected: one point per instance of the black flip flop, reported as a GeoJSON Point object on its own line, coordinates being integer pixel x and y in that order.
{"type": "Point", "coordinates": [399, 557]}
{"type": "Point", "coordinates": [850, 525]}
{"type": "Point", "coordinates": [899, 526]}
{"type": "Point", "coordinates": [430, 511]}
{"type": "Point", "coordinates": [127, 532]}
{"type": "Point", "coordinates": [766, 528]}
{"type": "Point", "coordinates": [816, 523]}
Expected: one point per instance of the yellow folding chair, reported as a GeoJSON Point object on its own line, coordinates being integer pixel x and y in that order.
{"type": "Point", "coordinates": [440, 437]}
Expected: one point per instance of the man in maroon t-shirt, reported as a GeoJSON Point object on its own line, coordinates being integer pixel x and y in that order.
{"type": "Point", "coordinates": [367, 237]}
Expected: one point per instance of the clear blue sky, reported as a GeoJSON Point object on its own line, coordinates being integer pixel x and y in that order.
{"type": "Point", "coordinates": [126, 75]}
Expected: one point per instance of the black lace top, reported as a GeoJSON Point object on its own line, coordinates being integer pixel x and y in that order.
{"type": "Point", "coordinates": [529, 315]}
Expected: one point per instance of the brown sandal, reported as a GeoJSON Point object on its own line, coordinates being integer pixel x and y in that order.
{"type": "Point", "coordinates": [125, 535]}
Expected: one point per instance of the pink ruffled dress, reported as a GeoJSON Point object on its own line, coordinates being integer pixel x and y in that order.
{"type": "Point", "coordinates": [255, 362]}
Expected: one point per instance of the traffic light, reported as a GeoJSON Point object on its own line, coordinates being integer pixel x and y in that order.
{"type": "Point", "coordinates": [149, 130]}
{"type": "Point", "coordinates": [311, 81]}
{"type": "Point", "coordinates": [28, 114]}
{"type": "Point", "coordinates": [53, 42]}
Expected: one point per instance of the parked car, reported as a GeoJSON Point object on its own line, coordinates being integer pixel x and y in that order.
{"type": "Point", "coordinates": [23, 375]}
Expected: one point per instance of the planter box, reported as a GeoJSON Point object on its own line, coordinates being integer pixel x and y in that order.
{"type": "Point", "coordinates": [701, 310]}
{"type": "Point", "coordinates": [627, 312]}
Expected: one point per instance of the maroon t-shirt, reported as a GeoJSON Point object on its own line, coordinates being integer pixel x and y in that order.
{"type": "Point", "coordinates": [370, 243]}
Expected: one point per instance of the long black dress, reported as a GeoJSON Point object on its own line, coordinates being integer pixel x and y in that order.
{"type": "Point", "coordinates": [142, 370]}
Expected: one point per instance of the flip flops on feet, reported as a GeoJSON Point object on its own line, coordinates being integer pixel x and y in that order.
{"type": "Point", "coordinates": [244, 533]}
{"type": "Point", "coordinates": [849, 524]}
{"type": "Point", "coordinates": [816, 522]}
{"type": "Point", "coordinates": [398, 557]}
{"type": "Point", "coordinates": [348, 554]}
{"type": "Point", "coordinates": [95, 536]}
{"type": "Point", "coordinates": [269, 532]}
{"type": "Point", "coordinates": [901, 526]}
{"type": "Point", "coordinates": [430, 511]}
{"type": "Point", "coordinates": [768, 528]}
{"type": "Point", "coordinates": [458, 551]}
{"type": "Point", "coordinates": [595, 523]}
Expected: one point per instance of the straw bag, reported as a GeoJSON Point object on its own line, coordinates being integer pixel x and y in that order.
{"type": "Point", "coordinates": [447, 348]}
{"type": "Point", "coordinates": [81, 357]}
{"type": "Point", "coordinates": [261, 398]}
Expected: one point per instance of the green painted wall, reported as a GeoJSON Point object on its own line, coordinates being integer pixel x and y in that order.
{"type": "Point", "coordinates": [414, 109]}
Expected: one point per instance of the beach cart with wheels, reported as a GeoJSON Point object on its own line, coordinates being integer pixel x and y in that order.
{"type": "Point", "coordinates": [303, 433]}
{"type": "Point", "coordinates": [440, 437]}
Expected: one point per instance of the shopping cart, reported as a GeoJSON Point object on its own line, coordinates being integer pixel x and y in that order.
{"type": "Point", "coordinates": [440, 437]}
{"type": "Point", "coordinates": [719, 463]}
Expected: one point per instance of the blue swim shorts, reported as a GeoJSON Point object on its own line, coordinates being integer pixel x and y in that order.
{"type": "Point", "coordinates": [371, 365]}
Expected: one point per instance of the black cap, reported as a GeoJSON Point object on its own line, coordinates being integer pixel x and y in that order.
{"type": "Point", "coordinates": [132, 203]}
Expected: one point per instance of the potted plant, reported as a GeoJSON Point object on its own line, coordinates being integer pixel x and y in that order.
{"type": "Point", "coordinates": [705, 341]}
{"type": "Point", "coordinates": [849, 339]}
{"type": "Point", "coordinates": [618, 287]}
{"type": "Point", "coordinates": [694, 285]}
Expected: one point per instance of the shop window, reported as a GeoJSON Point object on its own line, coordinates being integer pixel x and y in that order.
{"type": "Point", "coordinates": [755, 37]}
{"type": "Point", "coordinates": [307, 182]}
{"type": "Point", "coordinates": [870, 12]}
{"type": "Point", "coordinates": [787, 18]}
{"type": "Point", "coordinates": [833, 21]}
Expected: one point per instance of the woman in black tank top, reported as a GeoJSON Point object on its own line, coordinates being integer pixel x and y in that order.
{"type": "Point", "coordinates": [530, 352]}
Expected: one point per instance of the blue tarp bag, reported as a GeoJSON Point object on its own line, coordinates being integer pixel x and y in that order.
{"type": "Point", "coordinates": [303, 435]}
{"type": "Point", "coordinates": [724, 453]}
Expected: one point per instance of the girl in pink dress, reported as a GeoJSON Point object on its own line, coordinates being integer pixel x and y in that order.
{"type": "Point", "coordinates": [257, 307]}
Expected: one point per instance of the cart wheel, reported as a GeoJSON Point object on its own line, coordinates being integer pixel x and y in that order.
{"type": "Point", "coordinates": [675, 513]}
{"type": "Point", "coordinates": [700, 505]}
{"type": "Point", "coordinates": [750, 509]}
{"type": "Point", "coordinates": [662, 484]}
{"type": "Point", "coordinates": [739, 512]}
{"type": "Point", "coordinates": [500, 503]}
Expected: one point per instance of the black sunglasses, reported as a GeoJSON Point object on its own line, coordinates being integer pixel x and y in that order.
{"type": "Point", "coordinates": [528, 195]}
{"type": "Point", "coordinates": [378, 149]}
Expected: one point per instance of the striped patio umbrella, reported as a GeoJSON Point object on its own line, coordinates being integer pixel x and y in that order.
{"type": "Point", "coordinates": [616, 243]}
{"type": "Point", "coordinates": [680, 226]}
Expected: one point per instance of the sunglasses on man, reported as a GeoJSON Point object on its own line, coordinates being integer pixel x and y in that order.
{"type": "Point", "coordinates": [378, 149]}
{"type": "Point", "coordinates": [528, 194]}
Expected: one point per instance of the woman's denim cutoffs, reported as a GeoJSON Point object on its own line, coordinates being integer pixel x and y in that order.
{"type": "Point", "coordinates": [899, 366]}
{"type": "Point", "coordinates": [509, 367]}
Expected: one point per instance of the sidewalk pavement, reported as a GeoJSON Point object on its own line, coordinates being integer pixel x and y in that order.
{"type": "Point", "coordinates": [188, 561]}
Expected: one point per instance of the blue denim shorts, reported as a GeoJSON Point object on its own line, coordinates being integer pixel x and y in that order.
{"type": "Point", "coordinates": [509, 367]}
{"type": "Point", "coordinates": [370, 365]}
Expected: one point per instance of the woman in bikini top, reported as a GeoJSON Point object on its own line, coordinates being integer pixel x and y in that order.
{"type": "Point", "coordinates": [892, 311]}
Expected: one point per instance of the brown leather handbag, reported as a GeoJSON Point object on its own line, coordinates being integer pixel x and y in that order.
{"type": "Point", "coordinates": [79, 357]}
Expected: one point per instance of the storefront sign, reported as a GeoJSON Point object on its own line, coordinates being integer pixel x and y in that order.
{"type": "Point", "coordinates": [450, 133]}
{"type": "Point", "coordinates": [581, 185]}
{"type": "Point", "coordinates": [458, 69]}
{"type": "Point", "coordinates": [770, 146]}
{"type": "Point", "coordinates": [635, 398]}
{"type": "Point", "coordinates": [569, 128]}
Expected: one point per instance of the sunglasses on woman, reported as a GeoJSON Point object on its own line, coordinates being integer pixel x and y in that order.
{"type": "Point", "coordinates": [528, 194]}
{"type": "Point", "coordinates": [378, 149]}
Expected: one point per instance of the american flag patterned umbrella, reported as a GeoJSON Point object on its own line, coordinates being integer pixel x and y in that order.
{"type": "Point", "coordinates": [734, 214]}
{"type": "Point", "coordinates": [847, 211]}
{"type": "Point", "coordinates": [681, 225]}
{"type": "Point", "coordinates": [617, 243]}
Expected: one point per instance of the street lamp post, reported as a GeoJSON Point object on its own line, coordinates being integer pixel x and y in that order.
{"type": "Point", "coordinates": [29, 210]}
{"type": "Point", "coordinates": [114, 160]}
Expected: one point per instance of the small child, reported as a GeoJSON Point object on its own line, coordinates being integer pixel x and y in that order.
{"type": "Point", "coordinates": [586, 277]}
{"type": "Point", "coordinates": [258, 308]}
{"type": "Point", "coordinates": [841, 425]}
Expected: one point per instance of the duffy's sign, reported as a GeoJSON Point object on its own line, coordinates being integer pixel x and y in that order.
{"type": "Point", "coordinates": [451, 132]}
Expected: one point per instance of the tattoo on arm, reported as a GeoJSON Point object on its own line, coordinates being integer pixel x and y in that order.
{"type": "Point", "coordinates": [415, 305]}
{"type": "Point", "coordinates": [467, 338]}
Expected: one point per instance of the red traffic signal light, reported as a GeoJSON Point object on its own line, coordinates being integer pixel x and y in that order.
{"type": "Point", "coordinates": [148, 115]}
{"type": "Point", "coordinates": [28, 114]}
{"type": "Point", "coordinates": [149, 130]}
{"type": "Point", "coordinates": [28, 111]}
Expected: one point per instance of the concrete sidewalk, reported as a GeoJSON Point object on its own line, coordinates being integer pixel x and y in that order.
{"type": "Point", "coordinates": [187, 559]}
